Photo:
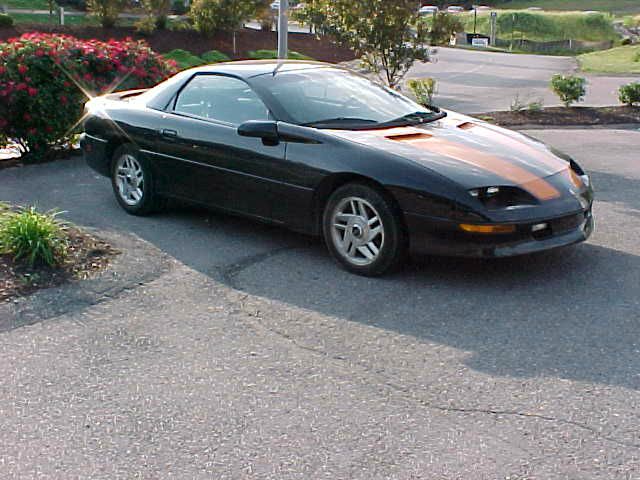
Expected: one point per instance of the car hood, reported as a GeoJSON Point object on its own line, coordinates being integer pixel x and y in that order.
{"type": "Point", "coordinates": [472, 153]}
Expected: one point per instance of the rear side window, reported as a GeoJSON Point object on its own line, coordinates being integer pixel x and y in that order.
{"type": "Point", "coordinates": [220, 98]}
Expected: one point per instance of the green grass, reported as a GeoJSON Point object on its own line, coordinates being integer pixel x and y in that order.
{"type": "Point", "coordinates": [545, 26]}
{"type": "Point", "coordinates": [183, 58]}
{"type": "Point", "coordinates": [214, 56]}
{"type": "Point", "coordinates": [269, 54]}
{"type": "Point", "coordinates": [613, 6]}
{"type": "Point", "coordinates": [53, 19]}
{"type": "Point", "coordinates": [28, 4]}
{"type": "Point", "coordinates": [617, 60]}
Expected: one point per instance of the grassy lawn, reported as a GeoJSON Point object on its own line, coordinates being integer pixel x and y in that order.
{"type": "Point", "coordinates": [28, 4]}
{"type": "Point", "coordinates": [614, 6]}
{"type": "Point", "coordinates": [616, 60]}
{"type": "Point", "coordinates": [68, 19]}
{"type": "Point", "coordinates": [545, 26]}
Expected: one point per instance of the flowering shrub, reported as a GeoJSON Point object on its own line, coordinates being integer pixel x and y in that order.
{"type": "Point", "coordinates": [46, 78]}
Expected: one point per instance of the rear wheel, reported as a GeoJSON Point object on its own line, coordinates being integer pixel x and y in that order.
{"type": "Point", "coordinates": [132, 182]}
{"type": "Point", "coordinates": [363, 230]}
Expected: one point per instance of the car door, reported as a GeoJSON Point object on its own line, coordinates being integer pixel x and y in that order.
{"type": "Point", "coordinates": [205, 158]}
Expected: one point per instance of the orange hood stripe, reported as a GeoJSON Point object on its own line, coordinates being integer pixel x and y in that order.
{"type": "Point", "coordinates": [420, 139]}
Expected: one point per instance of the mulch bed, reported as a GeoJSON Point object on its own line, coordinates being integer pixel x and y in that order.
{"type": "Point", "coordinates": [322, 49]}
{"type": "Point", "coordinates": [561, 116]}
{"type": "Point", "coordinates": [86, 255]}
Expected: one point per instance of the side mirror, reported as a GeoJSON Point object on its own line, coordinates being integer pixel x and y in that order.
{"type": "Point", "coordinates": [264, 129]}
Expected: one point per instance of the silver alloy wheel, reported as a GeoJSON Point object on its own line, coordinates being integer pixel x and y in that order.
{"type": "Point", "coordinates": [129, 179]}
{"type": "Point", "coordinates": [357, 231]}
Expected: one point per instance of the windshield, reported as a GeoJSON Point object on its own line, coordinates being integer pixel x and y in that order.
{"type": "Point", "coordinates": [331, 97]}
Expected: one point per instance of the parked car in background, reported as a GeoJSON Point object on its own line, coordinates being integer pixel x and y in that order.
{"type": "Point", "coordinates": [275, 5]}
{"type": "Point", "coordinates": [428, 10]}
{"type": "Point", "coordinates": [480, 8]}
{"type": "Point", "coordinates": [455, 9]}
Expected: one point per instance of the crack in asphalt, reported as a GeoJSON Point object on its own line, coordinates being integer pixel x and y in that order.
{"type": "Point", "coordinates": [228, 273]}
{"type": "Point", "coordinates": [407, 392]}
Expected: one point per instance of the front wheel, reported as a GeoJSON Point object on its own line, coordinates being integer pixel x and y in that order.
{"type": "Point", "coordinates": [363, 230]}
{"type": "Point", "coordinates": [132, 182]}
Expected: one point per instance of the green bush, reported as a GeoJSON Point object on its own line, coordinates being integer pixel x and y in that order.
{"type": "Point", "coordinates": [106, 11]}
{"type": "Point", "coordinates": [210, 16]}
{"type": "Point", "coordinates": [270, 54]}
{"type": "Point", "coordinates": [214, 56]}
{"type": "Point", "coordinates": [630, 94]}
{"type": "Point", "coordinates": [569, 88]}
{"type": "Point", "coordinates": [37, 238]}
{"type": "Point", "coordinates": [5, 20]}
{"type": "Point", "coordinates": [423, 89]}
{"type": "Point", "coordinates": [637, 57]}
{"type": "Point", "coordinates": [183, 58]}
{"type": "Point", "coordinates": [146, 25]}
{"type": "Point", "coordinates": [45, 79]}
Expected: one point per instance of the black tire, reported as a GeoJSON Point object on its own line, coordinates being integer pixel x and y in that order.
{"type": "Point", "coordinates": [149, 201]}
{"type": "Point", "coordinates": [354, 244]}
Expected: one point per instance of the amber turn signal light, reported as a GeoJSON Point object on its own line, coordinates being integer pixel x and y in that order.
{"type": "Point", "coordinates": [487, 228]}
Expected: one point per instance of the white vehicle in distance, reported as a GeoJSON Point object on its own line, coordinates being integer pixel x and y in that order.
{"type": "Point", "coordinates": [480, 8]}
{"type": "Point", "coordinates": [534, 9]}
{"type": "Point", "coordinates": [428, 10]}
{"type": "Point", "coordinates": [455, 9]}
{"type": "Point", "coordinates": [275, 5]}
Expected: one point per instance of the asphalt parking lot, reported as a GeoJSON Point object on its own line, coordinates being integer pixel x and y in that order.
{"type": "Point", "coordinates": [251, 355]}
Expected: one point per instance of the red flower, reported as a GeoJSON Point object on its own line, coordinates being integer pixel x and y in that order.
{"type": "Point", "coordinates": [63, 99]}
{"type": "Point", "coordinates": [32, 91]}
{"type": "Point", "coordinates": [2, 70]}
{"type": "Point", "coordinates": [22, 69]}
{"type": "Point", "coordinates": [88, 77]}
{"type": "Point", "coordinates": [26, 117]}
{"type": "Point", "coordinates": [39, 52]}
{"type": "Point", "coordinates": [49, 128]}
{"type": "Point", "coordinates": [32, 131]}
{"type": "Point", "coordinates": [21, 86]}
{"type": "Point", "coordinates": [3, 123]}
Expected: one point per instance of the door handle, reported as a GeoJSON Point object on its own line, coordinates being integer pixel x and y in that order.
{"type": "Point", "coordinates": [168, 133]}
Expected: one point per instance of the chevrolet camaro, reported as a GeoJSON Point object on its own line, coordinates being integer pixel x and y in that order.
{"type": "Point", "coordinates": [324, 151]}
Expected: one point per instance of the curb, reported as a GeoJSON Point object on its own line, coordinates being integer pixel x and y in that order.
{"type": "Point", "coordinates": [138, 263]}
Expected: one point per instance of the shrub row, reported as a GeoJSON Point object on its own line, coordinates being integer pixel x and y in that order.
{"type": "Point", "coordinates": [45, 80]}
{"type": "Point", "coordinates": [571, 89]}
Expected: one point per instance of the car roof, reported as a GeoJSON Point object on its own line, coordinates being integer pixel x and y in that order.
{"type": "Point", "coordinates": [253, 68]}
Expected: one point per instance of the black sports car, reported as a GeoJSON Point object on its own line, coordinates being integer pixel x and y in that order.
{"type": "Point", "coordinates": [325, 151]}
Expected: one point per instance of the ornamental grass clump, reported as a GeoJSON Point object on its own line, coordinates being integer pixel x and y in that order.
{"type": "Point", "coordinates": [33, 237]}
{"type": "Point", "coordinates": [45, 79]}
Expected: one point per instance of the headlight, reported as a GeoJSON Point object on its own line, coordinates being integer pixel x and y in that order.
{"type": "Point", "coordinates": [496, 197]}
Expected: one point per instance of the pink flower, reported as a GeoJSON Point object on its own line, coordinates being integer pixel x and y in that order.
{"type": "Point", "coordinates": [22, 69]}
{"type": "Point", "coordinates": [32, 91]}
{"type": "Point", "coordinates": [21, 86]}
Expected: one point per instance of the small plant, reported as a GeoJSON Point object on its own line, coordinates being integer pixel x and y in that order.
{"type": "Point", "coordinates": [37, 238]}
{"type": "Point", "coordinates": [214, 56]}
{"type": "Point", "coordinates": [569, 88]}
{"type": "Point", "coordinates": [637, 57]}
{"type": "Point", "coordinates": [146, 25]}
{"type": "Point", "coordinates": [535, 106]}
{"type": "Point", "coordinates": [630, 94]}
{"type": "Point", "coordinates": [517, 105]}
{"type": "Point", "coordinates": [423, 89]}
{"type": "Point", "coordinates": [5, 20]}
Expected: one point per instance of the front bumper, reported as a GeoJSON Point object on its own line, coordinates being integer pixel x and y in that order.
{"type": "Point", "coordinates": [431, 236]}
{"type": "Point", "coordinates": [95, 153]}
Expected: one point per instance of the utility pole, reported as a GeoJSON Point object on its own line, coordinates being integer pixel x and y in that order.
{"type": "Point", "coordinates": [283, 29]}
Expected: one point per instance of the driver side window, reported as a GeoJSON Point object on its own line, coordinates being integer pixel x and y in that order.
{"type": "Point", "coordinates": [221, 98]}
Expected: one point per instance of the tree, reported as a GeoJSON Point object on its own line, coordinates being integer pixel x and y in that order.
{"type": "Point", "coordinates": [443, 26]}
{"type": "Point", "coordinates": [107, 11]}
{"type": "Point", "coordinates": [158, 10]}
{"type": "Point", "coordinates": [221, 15]}
{"type": "Point", "coordinates": [381, 31]}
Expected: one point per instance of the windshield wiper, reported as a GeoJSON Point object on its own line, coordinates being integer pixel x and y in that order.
{"type": "Point", "coordinates": [338, 120]}
{"type": "Point", "coordinates": [417, 118]}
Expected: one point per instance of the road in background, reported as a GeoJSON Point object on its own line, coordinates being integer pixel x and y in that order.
{"type": "Point", "coordinates": [257, 357]}
{"type": "Point", "coordinates": [472, 81]}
